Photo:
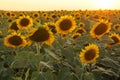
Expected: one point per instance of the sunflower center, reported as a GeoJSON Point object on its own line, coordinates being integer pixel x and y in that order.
{"type": "Point", "coordinates": [80, 31]}
{"type": "Point", "coordinates": [8, 14]}
{"type": "Point", "coordinates": [14, 26]}
{"type": "Point", "coordinates": [75, 36]}
{"type": "Point", "coordinates": [66, 24]}
{"type": "Point", "coordinates": [9, 20]}
{"type": "Point", "coordinates": [100, 29]}
{"type": "Point", "coordinates": [0, 16]}
{"type": "Point", "coordinates": [35, 15]}
{"type": "Point", "coordinates": [90, 54]}
{"type": "Point", "coordinates": [24, 22]}
{"type": "Point", "coordinates": [0, 23]}
{"type": "Point", "coordinates": [53, 16]}
{"type": "Point", "coordinates": [116, 27]}
{"type": "Point", "coordinates": [115, 39]}
{"type": "Point", "coordinates": [81, 25]}
{"type": "Point", "coordinates": [15, 40]}
{"type": "Point", "coordinates": [40, 35]}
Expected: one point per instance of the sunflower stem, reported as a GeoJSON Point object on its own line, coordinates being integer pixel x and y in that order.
{"type": "Point", "coordinates": [90, 67]}
{"type": "Point", "coordinates": [16, 50]}
{"type": "Point", "coordinates": [82, 73]}
{"type": "Point", "coordinates": [38, 48]}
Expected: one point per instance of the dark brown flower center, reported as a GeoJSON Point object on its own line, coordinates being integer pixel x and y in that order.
{"type": "Point", "coordinates": [90, 54]}
{"type": "Point", "coordinates": [100, 29]}
{"type": "Point", "coordinates": [15, 40]}
{"type": "Point", "coordinates": [66, 24]}
{"type": "Point", "coordinates": [9, 20]}
{"type": "Point", "coordinates": [116, 27]}
{"type": "Point", "coordinates": [0, 23]}
{"type": "Point", "coordinates": [80, 31]}
{"type": "Point", "coordinates": [24, 22]}
{"type": "Point", "coordinates": [13, 15]}
{"type": "Point", "coordinates": [14, 26]}
{"type": "Point", "coordinates": [116, 40]}
{"type": "Point", "coordinates": [0, 16]}
{"type": "Point", "coordinates": [54, 16]}
{"type": "Point", "coordinates": [40, 35]}
{"type": "Point", "coordinates": [75, 36]}
{"type": "Point", "coordinates": [8, 14]}
{"type": "Point", "coordinates": [35, 15]}
{"type": "Point", "coordinates": [81, 25]}
{"type": "Point", "coordinates": [44, 15]}
{"type": "Point", "coordinates": [21, 14]}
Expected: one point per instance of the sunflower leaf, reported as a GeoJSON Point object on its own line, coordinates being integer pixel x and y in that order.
{"type": "Point", "coordinates": [52, 54]}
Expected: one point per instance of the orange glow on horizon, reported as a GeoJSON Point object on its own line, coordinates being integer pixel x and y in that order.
{"type": "Point", "coordinates": [104, 4]}
{"type": "Point", "coordinates": [28, 5]}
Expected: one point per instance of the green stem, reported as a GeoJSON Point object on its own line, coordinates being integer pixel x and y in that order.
{"type": "Point", "coordinates": [90, 67]}
{"type": "Point", "coordinates": [38, 48]}
{"type": "Point", "coordinates": [82, 73]}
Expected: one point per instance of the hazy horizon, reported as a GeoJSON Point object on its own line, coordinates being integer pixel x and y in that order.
{"type": "Point", "coordinates": [48, 5]}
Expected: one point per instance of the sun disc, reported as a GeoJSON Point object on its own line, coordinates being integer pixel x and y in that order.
{"type": "Point", "coordinates": [104, 4]}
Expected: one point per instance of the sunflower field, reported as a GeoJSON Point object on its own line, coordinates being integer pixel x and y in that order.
{"type": "Point", "coordinates": [60, 45]}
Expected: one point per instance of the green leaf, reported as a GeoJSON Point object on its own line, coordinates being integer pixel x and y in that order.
{"type": "Point", "coordinates": [89, 76]}
{"type": "Point", "coordinates": [106, 71]}
{"type": "Point", "coordinates": [17, 78]}
{"type": "Point", "coordinates": [64, 74]}
{"type": "Point", "coordinates": [37, 75]}
{"type": "Point", "coordinates": [110, 63]}
{"type": "Point", "coordinates": [97, 74]}
{"type": "Point", "coordinates": [45, 64]}
{"type": "Point", "coordinates": [27, 74]}
{"type": "Point", "coordinates": [52, 54]}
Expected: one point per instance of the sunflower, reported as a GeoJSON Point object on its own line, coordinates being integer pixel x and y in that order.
{"type": "Point", "coordinates": [81, 25]}
{"type": "Point", "coordinates": [44, 15]}
{"type": "Point", "coordinates": [42, 34]}
{"type": "Point", "coordinates": [24, 22]}
{"type": "Point", "coordinates": [9, 20]}
{"type": "Point", "coordinates": [14, 40]}
{"type": "Point", "coordinates": [89, 54]}
{"type": "Point", "coordinates": [37, 21]}
{"type": "Point", "coordinates": [53, 16]}
{"type": "Point", "coordinates": [65, 24]}
{"type": "Point", "coordinates": [87, 15]}
{"type": "Point", "coordinates": [13, 15]}
{"type": "Point", "coordinates": [21, 14]}
{"type": "Point", "coordinates": [115, 37]}
{"type": "Point", "coordinates": [76, 35]}
{"type": "Point", "coordinates": [77, 16]}
{"type": "Point", "coordinates": [35, 15]}
{"type": "Point", "coordinates": [100, 28]}
{"type": "Point", "coordinates": [13, 27]}
{"type": "Point", "coordinates": [8, 14]}
{"type": "Point", "coordinates": [116, 27]}
{"type": "Point", "coordinates": [80, 30]}
{"type": "Point", "coordinates": [96, 16]}
{"type": "Point", "coordinates": [51, 26]}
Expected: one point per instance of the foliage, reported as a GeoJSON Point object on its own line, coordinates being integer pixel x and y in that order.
{"type": "Point", "coordinates": [60, 61]}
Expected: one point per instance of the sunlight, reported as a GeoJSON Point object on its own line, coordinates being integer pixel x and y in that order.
{"type": "Point", "coordinates": [104, 4]}
{"type": "Point", "coordinates": [28, 5]}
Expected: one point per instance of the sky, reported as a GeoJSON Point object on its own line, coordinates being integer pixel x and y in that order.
{"type": "Point", "coordinates": [44, 5]}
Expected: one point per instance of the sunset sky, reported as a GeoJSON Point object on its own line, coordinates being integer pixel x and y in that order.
{"type": "Point", "coordinates": [27, 5]}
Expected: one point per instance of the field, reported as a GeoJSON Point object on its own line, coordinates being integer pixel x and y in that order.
{"type": "Point", "coordinates": [60, 45]}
